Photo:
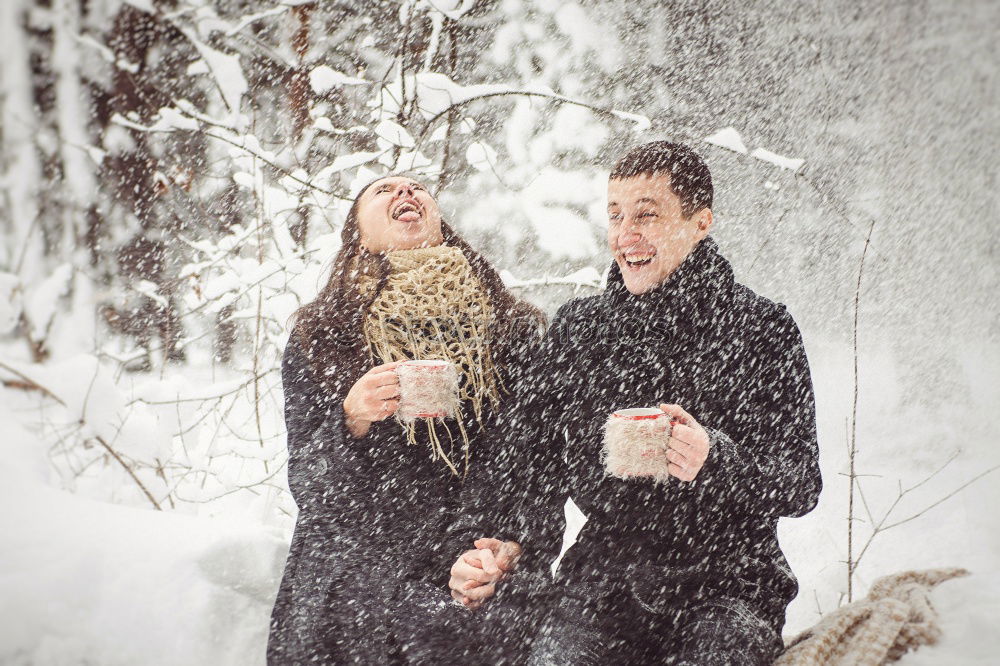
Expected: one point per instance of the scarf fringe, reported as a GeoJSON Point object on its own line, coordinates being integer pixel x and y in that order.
{"type": "Point", "coordinates": [425, 287]}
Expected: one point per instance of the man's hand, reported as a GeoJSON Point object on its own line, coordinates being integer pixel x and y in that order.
{"type": "Point", "coordinates": [475, 574]}
{"type": "Point", "coordinates": [688, 447]}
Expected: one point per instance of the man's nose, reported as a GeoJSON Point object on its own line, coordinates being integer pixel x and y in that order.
{"type": "Point", "coordinates": [629, 233]}
{"type": "Point", "coordinates": [404, 189]}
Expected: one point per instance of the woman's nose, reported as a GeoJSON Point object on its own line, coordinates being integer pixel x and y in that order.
{"type": "Point", "coordinates": [404, 189]}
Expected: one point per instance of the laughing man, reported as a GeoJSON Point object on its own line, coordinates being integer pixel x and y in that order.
{"type": "Point", "coordinates": [683, 567]}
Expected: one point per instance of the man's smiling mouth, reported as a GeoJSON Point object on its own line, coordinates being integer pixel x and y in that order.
{"type": "Point", "coordinates": [637, 260]}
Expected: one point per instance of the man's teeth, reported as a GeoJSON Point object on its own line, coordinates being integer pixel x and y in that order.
{"type": "Point", "coordinates": [637, 259]}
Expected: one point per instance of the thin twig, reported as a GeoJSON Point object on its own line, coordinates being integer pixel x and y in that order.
{"type": "Point", "coordinates": [851, 563]}
{"type": "Point", "coordinates": [258, 196]}
{"type": "Point", "coordinates": [901, 493]}
{"type": "Point", "coordinates": [100, 440]}
{"type": "Point", "coordinates": [114, 454]}
{"type": "Point", "coordinates": [511, 93]}
{"type": "Point", "coordinates": [249, 486]}
{"type": "Point", "coordinates": [31, 383]}
{"type": "Point", "coordinates": [124, 122]}
{"type": "Point", "coordinates": [453, 116]}
{"type": "Point", "coordinates": [930, 476]}
{"type": "Point", "coordinates": [948, 496]}
{"type": "Point", "coordinates": [206, 398]}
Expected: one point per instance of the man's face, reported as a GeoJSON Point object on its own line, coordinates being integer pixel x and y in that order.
{"type": "Point", "coordinates": [648, 235]}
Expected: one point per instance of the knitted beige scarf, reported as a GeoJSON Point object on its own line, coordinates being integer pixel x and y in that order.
{"type": "Point", "coordinates": [433, 307]}
{"type": "Point", "coordinates": [897, 616]}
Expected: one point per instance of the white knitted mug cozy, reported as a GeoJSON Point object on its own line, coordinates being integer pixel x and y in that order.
{"type": "Point", "coordinates": [427, 389]}
{"type": "Point", "coordinates": [636, 442]}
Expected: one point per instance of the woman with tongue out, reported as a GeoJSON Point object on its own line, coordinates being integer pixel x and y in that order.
{"type": "Point", "coordinates": [375, 495]}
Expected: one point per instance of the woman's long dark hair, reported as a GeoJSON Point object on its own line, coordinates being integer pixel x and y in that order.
{"type": "Point", "coordinates": [333, 323]}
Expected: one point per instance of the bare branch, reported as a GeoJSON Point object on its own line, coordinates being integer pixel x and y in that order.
{"type": "Point", "coordinates": [32, 384]}
{"type": "Point", "coordinates": [216, 396]}
{"type": "Point", "coordinates": [930, 476]}
{"type": "Point", "coordinates": [606, 112]}
{"type": "Point", "coordinates": [946, 497]}
{"type": "Point", "coordinates": [97, 438]}
{"type": "Point", "coordinates": [853, 451]}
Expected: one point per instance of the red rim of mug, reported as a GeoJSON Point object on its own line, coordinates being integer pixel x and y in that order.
{"type": "Point", "coordinates": [637, 417]}
{"type": "Point", "coordinates": [432, 365]}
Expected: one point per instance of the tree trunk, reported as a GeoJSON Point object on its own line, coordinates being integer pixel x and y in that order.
{"type": "Point", "coordinates": [21, 164]}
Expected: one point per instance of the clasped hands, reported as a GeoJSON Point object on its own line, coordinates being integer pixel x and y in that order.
{"type": "Point", "coordinates": [475, 574]}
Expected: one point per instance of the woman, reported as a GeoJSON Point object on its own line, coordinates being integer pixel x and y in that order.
{"type": "Point", "coordinates": [375, 496]}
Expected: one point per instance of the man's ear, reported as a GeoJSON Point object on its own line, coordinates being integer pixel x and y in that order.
{"type": "Point", "coordinates": [704, 220]}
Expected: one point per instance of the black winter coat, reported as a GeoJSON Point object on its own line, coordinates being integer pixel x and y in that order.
{"type": "Point", "coordinates": [368, 548]}
{"type": "Point", "coordinates": [734, 361]}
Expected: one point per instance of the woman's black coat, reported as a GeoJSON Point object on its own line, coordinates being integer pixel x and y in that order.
{"type": "Point", "coordinates": [368, 549]}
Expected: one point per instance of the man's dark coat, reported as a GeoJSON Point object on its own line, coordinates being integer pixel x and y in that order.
{"type": "Point", "coordinates": [734, 361]}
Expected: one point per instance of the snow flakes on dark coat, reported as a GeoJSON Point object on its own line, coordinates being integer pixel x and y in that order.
{"type": "Point", "coordinates": [734, 361]}
{"type": "Point", "coordinates": [368, 546]}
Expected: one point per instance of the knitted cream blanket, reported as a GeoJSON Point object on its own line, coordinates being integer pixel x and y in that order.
{"type": "Point", "coordinates": [433, 307]}
{"type": "Point", "coordinates": [897, 616]}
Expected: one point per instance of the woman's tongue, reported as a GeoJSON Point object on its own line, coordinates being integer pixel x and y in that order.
{"type": "Point", "coordinates": [409, 216]}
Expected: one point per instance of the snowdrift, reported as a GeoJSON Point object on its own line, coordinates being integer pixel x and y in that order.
{"type": "Point", "coordinates": [88, 582]}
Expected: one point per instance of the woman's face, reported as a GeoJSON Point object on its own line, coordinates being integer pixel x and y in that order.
{"type": "Point", "coordinates": [397, 213]}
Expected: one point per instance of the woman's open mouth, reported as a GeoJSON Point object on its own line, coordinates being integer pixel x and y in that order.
{"type": "Point", "coordinates": [407, 210]}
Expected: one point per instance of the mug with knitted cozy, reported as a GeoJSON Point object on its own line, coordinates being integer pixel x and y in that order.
{"type": "Point", "coordinates": [636, 442]}
{"type": "Point", "coordinates": [427, 389]}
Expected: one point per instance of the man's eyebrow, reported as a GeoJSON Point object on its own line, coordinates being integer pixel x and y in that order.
{"type": "Point", "coordinates": [646, 200]}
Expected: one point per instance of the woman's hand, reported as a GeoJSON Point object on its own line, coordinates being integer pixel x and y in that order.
{"type": "Point", "coordinates": [475, 574]}
{"type": "Point", "coordinates": [372, 398]}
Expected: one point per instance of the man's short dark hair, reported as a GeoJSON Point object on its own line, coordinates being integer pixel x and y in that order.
{"type": "Point", "coordinates": [690, 178]}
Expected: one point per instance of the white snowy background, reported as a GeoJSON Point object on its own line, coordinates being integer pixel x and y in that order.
{"type": "Point", "coordinates": [145, 513]}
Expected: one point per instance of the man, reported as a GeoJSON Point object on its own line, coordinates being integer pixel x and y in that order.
{"type": "Point", "coordinates": [688, 570]}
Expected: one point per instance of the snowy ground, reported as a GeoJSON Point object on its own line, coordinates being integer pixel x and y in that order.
{"type": "Point", "coordinates": [86, 581]}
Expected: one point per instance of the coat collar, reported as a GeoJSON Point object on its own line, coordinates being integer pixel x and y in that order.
{"type": "Point", "coordinates": [686, 306]}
